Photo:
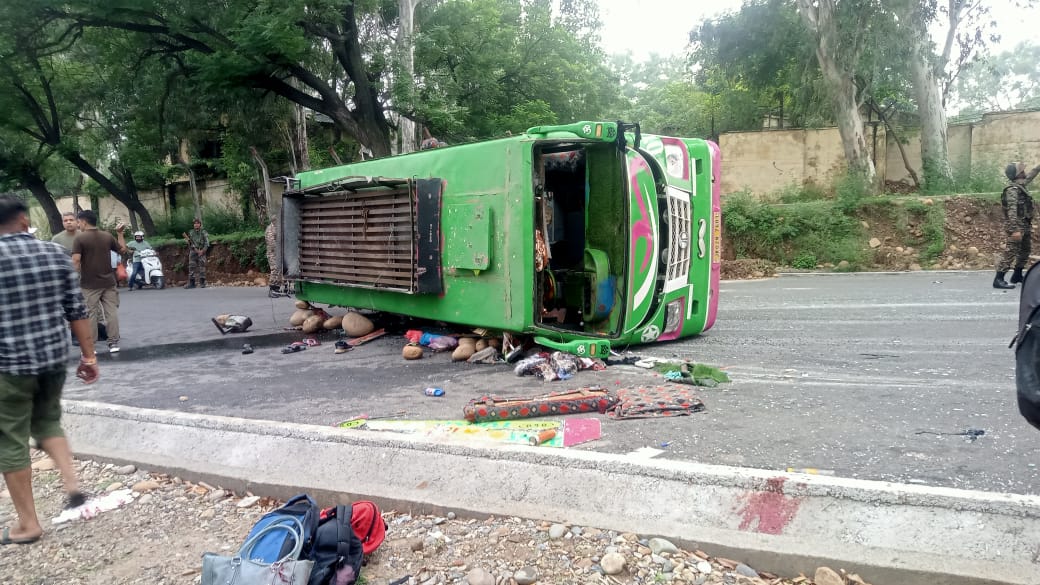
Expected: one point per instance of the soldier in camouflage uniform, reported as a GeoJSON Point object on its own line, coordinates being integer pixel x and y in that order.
{"type": "Point", "coordinates": [274, 280]}
{"type": "Point", "coordinates": [1018, 224]}
{"type": "Point", "coordinates": [198, 244]}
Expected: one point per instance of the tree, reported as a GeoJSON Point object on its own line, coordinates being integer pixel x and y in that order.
{"type": "Point", "coordinates": [312, 53]}
{"type": "Point", "coordinates": [762, 52]}
{"type": "Point", "coordinates": [484, 67]}
{"type": "Point", "coordinates": [21, 167]}
{"type": "Point", "coordinates": [43, 100]}
{"type": "Point", "coordinates": [840, 31]}
{"type": "Point", "coordinates": [1009, 80]}
{"type": "Point", "coordinates": [934, 68]}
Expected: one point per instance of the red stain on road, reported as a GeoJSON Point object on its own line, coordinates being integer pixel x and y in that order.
{"type": "Point", "coordinates": [771, 508]}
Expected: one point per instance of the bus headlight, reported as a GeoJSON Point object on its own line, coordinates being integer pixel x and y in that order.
{"type": "Point", "coordinates": [673, 316]}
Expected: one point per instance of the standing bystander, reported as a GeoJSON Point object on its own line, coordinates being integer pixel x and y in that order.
{"type": "Point", "coordinates": [39, 291]}
{"type": "Point", "coordinates": [68, 235]}
{"type": "Point", "coordinates": [92, 257]}
{"type": "Point", "coordinates": [1018, 223]}
{"type": "Point", "coordinates": [274, 280]}
{"type": "Point", "coordinates": [198, 244]}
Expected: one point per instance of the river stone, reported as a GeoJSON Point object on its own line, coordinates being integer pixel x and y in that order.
{"type": "Point", "coordinates": [124, 470]}
{"type": "Point", "coordinates": [827, 576]}
{"type": "Point", "coordinates": [249, 501]}
{"type": "Point", "coordinates": [557, 531]}
{"type": "Point", "coordinates": [612, 563]}
{"type": "Point", "coordinates": [875, 243]}
{"type": "Point", "coordinates": [704, 567]}
{"type": "Point", "coordinates": [216, 495]}
{"type": "Point", "coordinates": [526, 576]}
{"type": "Point", "coordinates": [746, 571]}
{"type": "Point", "coordinates": [478, 576]}
{"type": "Point", "coordinates": [660, 545]}
{"type": "Point", "coordinates": [146, 486]}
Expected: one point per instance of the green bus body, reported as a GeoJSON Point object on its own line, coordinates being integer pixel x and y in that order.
{"type": "Point", "coordinates": [571, 233]}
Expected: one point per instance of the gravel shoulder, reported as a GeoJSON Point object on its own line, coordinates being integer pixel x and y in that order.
{"type": "Point", "coordinates": [160, 536]}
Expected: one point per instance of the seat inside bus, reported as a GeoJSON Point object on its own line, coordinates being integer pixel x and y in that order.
{"type": "Point", "coordinates": [582, 214]}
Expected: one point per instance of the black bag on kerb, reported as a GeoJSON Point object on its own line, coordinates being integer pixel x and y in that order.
{"type": "Point", "coordinates": [1027, 348]}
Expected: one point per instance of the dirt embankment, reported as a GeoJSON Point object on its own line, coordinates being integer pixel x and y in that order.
{"type": "Point", "coordinates": [894, 238]}
{"type": "Point", "coordinates": [234, 264]}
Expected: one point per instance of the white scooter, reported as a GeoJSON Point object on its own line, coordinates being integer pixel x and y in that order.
{"type": "Point", "coordinates": [151, 271]}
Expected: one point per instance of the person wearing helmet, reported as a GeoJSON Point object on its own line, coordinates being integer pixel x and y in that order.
{"type": "Point", "coordinates": [138, 245]}
{"type": "Point", "coordinates": [1018, 223]}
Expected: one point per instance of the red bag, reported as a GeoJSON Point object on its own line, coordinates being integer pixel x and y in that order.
{"type": "Point", "coordinates": [368, 524]}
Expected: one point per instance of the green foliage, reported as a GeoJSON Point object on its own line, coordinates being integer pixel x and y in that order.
{"type": "Point", "coordinates": [932, 221]}
{"type": "Point", "coordinates": [816, 231]}
{"type": "Point", "coordinates": [218, 222]}
{"type": "Point", "coordinates": [795, 194]}
{"type": "Point", "coordinates": [805, 261]}
{"type": "Point", "coordinates": [487, 66]}
{"type": "Point", "coordinates": [244, 248]}
{"type": "Point", "coordinates": [983, 177]}
{"type": "Point", "coordinates": [762, 54]}
{"type": "Point", "coordinates": [851, 190]}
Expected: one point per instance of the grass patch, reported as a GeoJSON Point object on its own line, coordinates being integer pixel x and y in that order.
{"type": "Point", "coordinates": [932, 220]}
{"type": "Point", "coordinates": [808, 233]}
{"type": "Point", "coordinates": [215, 220]}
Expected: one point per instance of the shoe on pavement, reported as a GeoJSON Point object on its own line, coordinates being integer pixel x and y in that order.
{"type": "Point", "coordinates": [113, 349]}
{"type": "Point", "coordinates": [342, 346]}
{"type": "Point", "coordinates": [1001, 283]}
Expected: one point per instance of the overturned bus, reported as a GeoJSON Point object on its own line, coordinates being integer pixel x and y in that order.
{"type": "Point", "coordinates": [585, 236]}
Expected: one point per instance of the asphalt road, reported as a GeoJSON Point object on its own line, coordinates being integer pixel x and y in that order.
{"type": "Point", "coordinates": [857, 374]}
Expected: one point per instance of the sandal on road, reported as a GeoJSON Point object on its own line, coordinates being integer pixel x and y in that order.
{"type": "Point", "coordinates": [5, 538]}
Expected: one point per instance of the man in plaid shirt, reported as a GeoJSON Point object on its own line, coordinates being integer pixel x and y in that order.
{"type": "Point", "coordinates": [39, 292]}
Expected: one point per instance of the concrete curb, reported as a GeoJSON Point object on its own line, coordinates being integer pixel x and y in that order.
{"type": "Point", "coordinates": [783, 523]}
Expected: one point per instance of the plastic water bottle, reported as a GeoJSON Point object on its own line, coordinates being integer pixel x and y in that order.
{"type": "Point", "coordinates": [431, 391]}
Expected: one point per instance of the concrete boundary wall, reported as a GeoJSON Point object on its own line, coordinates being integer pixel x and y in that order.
{"type": "Point", "coordinates": [767, 161]}
{"type": "Point", "coordinates": [783, 523]}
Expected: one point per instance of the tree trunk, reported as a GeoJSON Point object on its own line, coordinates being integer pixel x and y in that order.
{"type": "Point", "coordinates": [119, 193]}
{"type": "Point", "coordinates": [38, 187]}
{"type": "Point", "coordinates": [819, 17]}
{"type": "Point", "coordinates": [406, 49]}
{"type": "Point", "coordinates": [935, 154]}
{"type": "Point", "coordinates": [196, 199]}
{"type": "Point", "coordinates": [303, 154]}
{"type": "Point", "coordinates": [899, 143]}
{"type": "Point", "coordinates": [265, 179]}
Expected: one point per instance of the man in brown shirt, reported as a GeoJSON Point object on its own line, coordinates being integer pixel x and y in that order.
{"type": "Point", "coordinates": [91, 255]}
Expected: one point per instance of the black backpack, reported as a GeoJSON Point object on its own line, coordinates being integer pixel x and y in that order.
{"type": "Point", "coordinates": [1027, 348]}
{"type": "Point", "coordinates": [337, 552]}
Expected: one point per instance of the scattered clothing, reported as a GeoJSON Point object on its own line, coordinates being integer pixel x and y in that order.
{"type": "Point", "coordinates": [654, 402]}
{"type": "Point", "coordinates": [92, 507]}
